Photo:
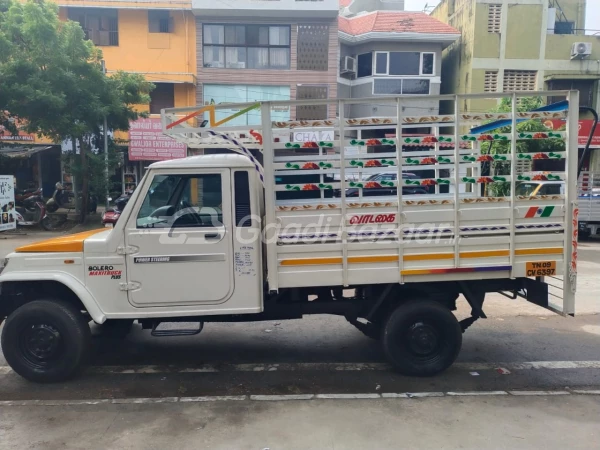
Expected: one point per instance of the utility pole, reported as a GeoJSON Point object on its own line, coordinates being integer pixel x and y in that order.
{"type": "Point", "coordinates": [105, 132]}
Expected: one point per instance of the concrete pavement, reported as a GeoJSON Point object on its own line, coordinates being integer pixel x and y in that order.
{"type": "Point", "coordinates": [494, 422]}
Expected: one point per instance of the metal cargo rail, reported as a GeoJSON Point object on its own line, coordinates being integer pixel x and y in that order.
{"type": "Point", "coordinates": [448, 204]}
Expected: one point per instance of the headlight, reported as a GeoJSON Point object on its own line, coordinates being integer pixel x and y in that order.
{"type": "Point", "coordinates": [4, 264]}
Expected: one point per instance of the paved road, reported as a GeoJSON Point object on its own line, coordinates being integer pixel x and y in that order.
{"type": "Point", "coordinates": [526, 378]}
{"type": "Point", "coordinates": [318, 384]}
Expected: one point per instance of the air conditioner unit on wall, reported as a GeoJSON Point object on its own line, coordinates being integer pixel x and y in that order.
{"type": "Point", "coordinates": [348, 65]}
{"type": "Point", "coordinates": [581, 50]}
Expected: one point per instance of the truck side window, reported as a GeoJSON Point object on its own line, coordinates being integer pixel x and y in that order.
{"type": "Point", "coordinates": [176, 201]}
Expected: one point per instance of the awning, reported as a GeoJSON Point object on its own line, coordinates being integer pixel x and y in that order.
{"type": "Point", "coordinates": [20, 151]}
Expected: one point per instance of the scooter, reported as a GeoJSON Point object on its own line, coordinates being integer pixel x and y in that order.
{"type": "Point", "coordinates": [61, 205]}
{"type": "Point", "coordinates": [110, 217]}
{"type": "Point", "coordinates": [31, 211]}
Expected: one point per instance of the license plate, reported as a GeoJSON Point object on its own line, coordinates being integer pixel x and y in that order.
{"type": "Point", "coordinates": [541, 268]}
{"type": "Point", "coordinates": [108, 225]}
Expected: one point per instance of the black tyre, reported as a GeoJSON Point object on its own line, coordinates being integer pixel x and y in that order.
{"type": "Point", "coordinates": [116, 328]}
{"type": "Point", "coordinates": [46, 340]}
{"type": "Point", "coordinates": [53, 221]}
{"type": "Point", "coordinates": [421, 338]}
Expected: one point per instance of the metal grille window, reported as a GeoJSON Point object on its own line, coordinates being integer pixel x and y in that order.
{"type": "Point", "coordinates": [519, 80]}
{"type": "Point", "coordinates": [159, 22]}
{"type": "Point", "coordinates": [491, 81]}
{"type": "Point", "coordinates": [246, 46]}
{"type": "Point", "coordinates": [313, 47]}
{"type": "Point", "coordinates": [311, 93]}
{"type": "Point", "coordinates": [494, 18]}
{"type": "Point", "coordinates": [101, 26]}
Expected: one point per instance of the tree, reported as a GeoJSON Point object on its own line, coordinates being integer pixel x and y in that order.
{"type": "Point", "coordinates": [500, 189]}
{"type": "Point", "coordinates": [51, 77]}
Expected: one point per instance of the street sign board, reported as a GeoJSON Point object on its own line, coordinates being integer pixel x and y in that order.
{"type": "Point", "coordinates": [8, 217]}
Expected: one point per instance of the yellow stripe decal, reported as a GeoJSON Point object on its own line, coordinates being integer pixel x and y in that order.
{"type": "Point", "coordinates": [310, 261]}
{"type": "Point", "coordinates": [539, 251]}
{"type": "Point", "coordinates": [374, 259]}
{"type": "Point", "coordinates": [428, 256]}
{"type": "Point", "coordinates": [485, 254]}
{"type": "Point", "coordinates": [419, 257]}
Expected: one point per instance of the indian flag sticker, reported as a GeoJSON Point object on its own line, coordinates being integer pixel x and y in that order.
{"type": "Point", "coordinates": [539, 211]}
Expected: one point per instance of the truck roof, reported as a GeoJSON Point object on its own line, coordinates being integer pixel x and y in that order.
{"type": "Point", "coordinates": [227, 160]}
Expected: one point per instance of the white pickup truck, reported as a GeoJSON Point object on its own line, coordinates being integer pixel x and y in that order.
{"type": "Point", "coordinates": [257, 234]}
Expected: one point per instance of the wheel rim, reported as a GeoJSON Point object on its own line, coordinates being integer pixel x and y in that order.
{"type": "Point", "coordinates": [422, 339]}
{"type": "Point", "coordinates": [40, 345]}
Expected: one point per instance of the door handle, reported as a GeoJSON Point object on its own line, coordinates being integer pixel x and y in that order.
{"type": "Point", "coordinates": [213, 236]}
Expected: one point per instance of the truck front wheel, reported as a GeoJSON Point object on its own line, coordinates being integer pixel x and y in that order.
{"type": "Point", "coordinates": [421, 338]}
{"type": "Point", "coordinates": [46, 340]}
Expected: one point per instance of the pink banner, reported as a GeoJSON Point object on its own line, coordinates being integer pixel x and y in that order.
{"type": "Point", "coordinates": [148, 143]}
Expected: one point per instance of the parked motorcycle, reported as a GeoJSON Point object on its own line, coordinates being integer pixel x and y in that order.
{"type": "Point", "coordinates": [22, 196]}
{"type": "Point", "coordinates": [30, 211]}
{"type": "Point", "coordinates": [61, 205]}
{"type": "Point", "coordinates": [110, 217]}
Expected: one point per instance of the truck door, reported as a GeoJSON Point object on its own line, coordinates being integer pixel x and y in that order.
{"type": "Point", "coordinates": [179, 240]}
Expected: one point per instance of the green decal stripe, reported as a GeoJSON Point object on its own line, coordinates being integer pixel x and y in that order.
{"type": "Point", "coordinates": [547, 212]}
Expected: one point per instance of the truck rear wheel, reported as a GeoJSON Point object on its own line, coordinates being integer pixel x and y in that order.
{"type": "Point", "coordinates": [46, 340]}
{"type": "Point", "coordinates": [421, 338]}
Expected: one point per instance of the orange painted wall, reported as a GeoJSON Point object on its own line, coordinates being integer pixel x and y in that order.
{"type": "Point", "coordinates": [160, 57]}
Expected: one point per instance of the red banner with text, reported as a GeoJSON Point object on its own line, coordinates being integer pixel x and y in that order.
{"type": "Point", "coordinates": [148, 143]}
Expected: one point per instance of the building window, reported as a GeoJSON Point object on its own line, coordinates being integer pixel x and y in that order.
{"type": "Point", "coordinates": [490, 83]}
{"type": "Point", "coordinates": [404, 63]}
{"type": "Point", "coordinates": [246, 46]}
{"type": "Point", "coordinates": [585, 88]}
{"type": "Point", "coordinates": [101, 26]}
{"type": "Point", "coordinates": [163, 96]}
{"type": "Point", "coordinates": [398, 86]}
{"type": "Point", "coordinates": [236, 93]}
{"type": "Point", "coordinates": [159, 22]}
{"type": "Point", "coordinates": [364, 65]}
{"type": "Point", "coordinates": [313, 47]}
{"type": "Point", "coordinates": [494, 18]}
{"type": "Point", "coordinates": [313, 112]}
{"type": "Point", "coordinates": [519, 80]}
{"type": "Point", "coordinates": [427, 63]}
{"type": "Point", "coordinates": [381, 63]}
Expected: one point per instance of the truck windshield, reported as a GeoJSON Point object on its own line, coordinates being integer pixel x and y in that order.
{"type": "Point", "coordinates": [526, 189]}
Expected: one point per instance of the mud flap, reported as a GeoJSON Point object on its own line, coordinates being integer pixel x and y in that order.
{"type": "Point", "coordinates": [536, 292]}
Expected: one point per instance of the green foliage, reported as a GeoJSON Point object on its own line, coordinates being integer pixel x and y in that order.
{"type": "Point", "coordinates": [95, 164]}
{"type": "Point", "coordinates": [51, 79]}
{"type": "Point", "coordinates": [523, 146]}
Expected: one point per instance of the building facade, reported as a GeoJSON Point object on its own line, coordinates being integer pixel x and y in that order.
{"type": "Point", "coordinates": [155, 39]}
{"type": "Point", "coordinates": [390, 53]}
{"type": "Point", "coordinates": [521, 45]}
{"type": "Point", "coordinates": [267, 50]}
